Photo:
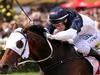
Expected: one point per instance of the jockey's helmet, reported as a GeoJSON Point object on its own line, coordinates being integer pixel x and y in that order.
{"type": "Point", "coordinates": [58, 15]}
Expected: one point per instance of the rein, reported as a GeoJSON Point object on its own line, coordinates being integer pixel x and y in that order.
{"type": "Point", "coordinates": [60, 60]}
{"type": "Point", "coordinates": [26, 37]}
{"type": "Point", "coordinates": [50, 56]}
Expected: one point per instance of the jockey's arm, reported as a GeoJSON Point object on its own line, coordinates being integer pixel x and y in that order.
{"type": "Point", "coordinates": [71, 33]}
{"type": "Point", "coordinates": [64, 35]}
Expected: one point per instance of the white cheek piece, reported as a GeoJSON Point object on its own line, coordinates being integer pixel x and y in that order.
{"type": "Point", "coordinates": [24, 51]}
{"type": "Point", "coordinates": [11, 43]}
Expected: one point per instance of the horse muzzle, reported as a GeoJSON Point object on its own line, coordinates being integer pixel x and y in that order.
{"type": "Point", "coordinates": [4, 69]}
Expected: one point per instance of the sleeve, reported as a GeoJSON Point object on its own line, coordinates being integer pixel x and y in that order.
{"type": "Point", "coordinates": [77, 23]}
{"type": "Point", "coordinates": [64, 35]}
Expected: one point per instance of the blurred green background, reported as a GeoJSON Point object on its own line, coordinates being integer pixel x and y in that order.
{"type": "Point", "coordinates": [23, 73]}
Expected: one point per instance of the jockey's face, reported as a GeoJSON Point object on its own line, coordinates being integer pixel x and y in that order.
{"type": "Point", "coordinates": [60, 26]}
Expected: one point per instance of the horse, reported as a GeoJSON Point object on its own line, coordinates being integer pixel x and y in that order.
{"type": "Point", "coordinates": [53, 56]}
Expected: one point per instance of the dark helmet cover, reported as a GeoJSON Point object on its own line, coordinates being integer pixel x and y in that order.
{"type": "Point", "coordinates": [58, 15]}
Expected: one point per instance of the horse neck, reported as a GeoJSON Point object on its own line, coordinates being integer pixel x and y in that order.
{"type": "Point", "coordinates": [65, 49]}
{"type": "Point", "coordinates": [62, 51]}
{"type": "Point", "coordinates": [38, 45]}
{"type": "Point", "coordinates": [40, 49]}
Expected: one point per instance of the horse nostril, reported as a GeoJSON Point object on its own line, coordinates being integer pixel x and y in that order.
{"type": "Point", "coordinates": [4, 69]}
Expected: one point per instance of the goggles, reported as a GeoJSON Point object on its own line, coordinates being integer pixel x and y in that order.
{"type": "Point", "coordinates": [59, 20]}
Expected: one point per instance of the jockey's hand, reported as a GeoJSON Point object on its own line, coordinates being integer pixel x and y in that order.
{"type": "Point", "coordinates": [48, 35]}
{"type": "Point", "coordinates": [31, 23]}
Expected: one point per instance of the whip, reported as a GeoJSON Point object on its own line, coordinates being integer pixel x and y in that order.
{"type": "Point", "coordinates": [23, 10]}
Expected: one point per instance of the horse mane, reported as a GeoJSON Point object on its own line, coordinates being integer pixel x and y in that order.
{"type": "Point", "coordinates": [38, 29]}
{"type": "Point", "coordinates": [65, 44]}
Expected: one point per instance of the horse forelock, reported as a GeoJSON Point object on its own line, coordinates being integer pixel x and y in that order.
{"type": "Point", "coordinates": [38, 29]}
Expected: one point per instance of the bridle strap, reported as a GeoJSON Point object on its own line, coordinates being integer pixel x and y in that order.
{"type": "Point", "coordinates": [50, 56]}
{"type": "Point", "coordinates": [26, 37]}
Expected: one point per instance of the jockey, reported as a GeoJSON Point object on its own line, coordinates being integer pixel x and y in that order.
{"type": "Point", "coordinates": [77, 27]}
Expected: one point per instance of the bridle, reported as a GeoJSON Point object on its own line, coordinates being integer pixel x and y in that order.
{"type": "Point", "coordinates": [26, 37]}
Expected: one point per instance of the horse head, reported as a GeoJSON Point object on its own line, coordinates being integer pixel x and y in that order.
{"type": "Point", "coordinates": [8, 60]}
{"type": "Point", "coordinates": [21, 44]}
